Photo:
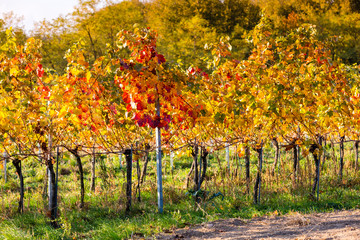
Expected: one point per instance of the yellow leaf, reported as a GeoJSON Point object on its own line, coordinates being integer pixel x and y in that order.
{"type": "Point", "coordinates": [52, 112]}
{"type": "Point", "coordinates": [88, 75]}
{"type": "Point", "coordinates": [13, 72]}
{"type": "Point", "coordinates": [63, 112]}
{"type": "Point", "coordinates": [75, 72]}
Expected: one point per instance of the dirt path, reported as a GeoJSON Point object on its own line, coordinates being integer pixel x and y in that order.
{"type": "Point", "coordinates": [334, 225]}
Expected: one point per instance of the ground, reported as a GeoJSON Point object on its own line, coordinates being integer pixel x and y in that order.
{"type": "Point", "coordinates": [334, 225]}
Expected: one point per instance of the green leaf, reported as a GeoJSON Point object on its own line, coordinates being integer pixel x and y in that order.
{"type": "Point", "coordinates": [219, 117]}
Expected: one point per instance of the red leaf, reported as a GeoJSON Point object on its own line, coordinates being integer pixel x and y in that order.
{"type": "Point", "coordinates": [140, 106]}
{"type": "Point", "coordinates": [128, 108]}
{"type": "Point", "coordinates": [161, 58]}
{"type": "Point", "coordinates": [126, 97]}
{"type": "Point", "coordinates": [39, 71]}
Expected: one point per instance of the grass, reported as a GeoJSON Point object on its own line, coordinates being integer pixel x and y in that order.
{"type": "Point", "coordinates": [104, 216]}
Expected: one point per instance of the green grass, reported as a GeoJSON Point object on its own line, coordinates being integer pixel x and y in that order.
{"type": "Point", "coordinates": [104, 214]}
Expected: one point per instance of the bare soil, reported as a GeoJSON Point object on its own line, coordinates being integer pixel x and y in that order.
{"type": "Point", "coordinates": [333, 225]}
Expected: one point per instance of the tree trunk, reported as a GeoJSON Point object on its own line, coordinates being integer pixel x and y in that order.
{"type": "Point", "coordinates": [17, 164]}
{"type": "Point", "coordinates": [128, 157]}
{"type": "Point", "coordinates": [257, 188]}
{"type": "Point", "coordinates": [93, 174]}
{"type": "Point", "coordinates": [341, 158]}
{"type": "Point", "coordinates": [247, 168]}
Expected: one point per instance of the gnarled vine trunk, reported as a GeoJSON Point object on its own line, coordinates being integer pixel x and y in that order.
{"type": "Point", "coordinates": [52, 211]}
{"type": "Point", "coordinates": [194, 153]}
{"type": "Point", "coordinates": [316, 184]}
{"type": "Point", "coordinates": [17, 164]}
{"type": "Point", "coordinates": [81, 172]}
{"type": "Point", "coordinates": [93, 174]}
{"type": "Point", "coordinates": [247, 168]}
{"type": "Point", "coordinates": [128, 157]}
{"type": "Point", "coordinates": [295, 164]}
{"type": "Point", "coordinates": [257, 188]}
{"type": "Point", "coordinates": [204, 154]}
{"type": "Point", "coordinates": [341, 158]}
